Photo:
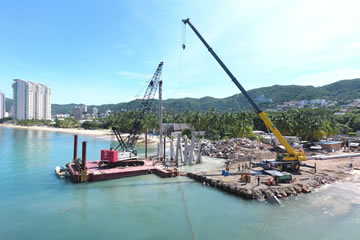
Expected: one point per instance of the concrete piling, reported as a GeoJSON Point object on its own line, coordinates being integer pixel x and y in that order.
{"type": "Point", "coordinates": [83, 177]}
{"type": "Point", "coordinates": [171, 149]}
{"type": "Point", "coordinates": [179, 152]}
{"type": "Point", "coordinates": [164, 149]}
{"type": "Point", "coordinates": [75, 147]}
{"type": "Point", "coordinates": [191, 150]}
{"type": "Point", "coordinates": [199, 156]}
{"type": "Point", "coordinates": [146, 143]}
{"type": "Point", "coordinates": [185, 150]}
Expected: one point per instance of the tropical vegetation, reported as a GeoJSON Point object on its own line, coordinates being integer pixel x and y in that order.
{"type": "Point", "coordinates": [308, 124]}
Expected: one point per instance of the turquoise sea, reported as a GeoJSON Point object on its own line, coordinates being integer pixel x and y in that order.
{"type": "Point", "coordinates": [35, 204]}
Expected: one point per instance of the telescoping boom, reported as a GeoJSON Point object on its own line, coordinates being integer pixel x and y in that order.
{"type": "Point", "coordinates": [292, 157]}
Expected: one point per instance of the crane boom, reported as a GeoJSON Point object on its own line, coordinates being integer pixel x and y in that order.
{"type": "Point", "coordinates": [291, 154]}
{"type": "Point", "coordinates": [129, 142]}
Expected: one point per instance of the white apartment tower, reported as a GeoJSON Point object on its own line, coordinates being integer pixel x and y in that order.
{"type": "Point", "coordinates": [2, 105]}
{"type": "Point", "coordinates": [31, 100]}
{"type": "Point", "coordinates": [42, 102]}
{"type": "Point", "coordinates": [19, 87]}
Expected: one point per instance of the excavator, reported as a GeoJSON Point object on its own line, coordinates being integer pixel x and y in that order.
{"type": "Point", "coordinates": [291, 159]}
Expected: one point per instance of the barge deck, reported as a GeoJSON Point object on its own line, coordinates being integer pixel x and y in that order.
{"type": "Point", "coordinates": [94, 172]}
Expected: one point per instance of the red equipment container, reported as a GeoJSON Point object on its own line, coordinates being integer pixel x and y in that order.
{"type": "Point", "coordinates": [112, 156]}
{"type": "Point", "coordinates": [104, 154]}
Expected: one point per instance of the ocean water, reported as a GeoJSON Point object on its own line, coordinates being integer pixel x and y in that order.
{"type": "Point", "coordinates": [35, 204]}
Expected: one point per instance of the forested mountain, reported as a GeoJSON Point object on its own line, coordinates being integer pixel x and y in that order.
{"type": "Point", "coordinates": [266, 97]}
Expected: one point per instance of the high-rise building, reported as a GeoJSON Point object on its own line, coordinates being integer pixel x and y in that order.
{"type": "Point", "coordinates": [30, 97]}
{"type": "Point", "coordinates": [31, 100]}
{"type": "Point", "coordinates": [79, 112]}
{"type": "Point", "coordinates": [19, 98]}
{"type": "Point", "coordinates": [95, 111]}
{"type": "Point", "coordinates": [2, 105]}
{"type": "Point", "coordinates": [42, 102]}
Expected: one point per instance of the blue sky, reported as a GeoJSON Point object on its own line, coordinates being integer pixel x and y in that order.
{"type": "Point", "coordinates": [103, 51]}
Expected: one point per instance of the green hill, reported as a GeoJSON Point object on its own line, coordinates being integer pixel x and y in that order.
{"type": "Point", "coordinates": [266, 97]}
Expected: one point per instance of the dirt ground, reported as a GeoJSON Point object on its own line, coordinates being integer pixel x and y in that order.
{"type": "Point", "coordinates": [304, 181]}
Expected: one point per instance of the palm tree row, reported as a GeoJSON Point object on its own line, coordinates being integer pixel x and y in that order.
{"type": "Point", "coordinates": [308, 124]}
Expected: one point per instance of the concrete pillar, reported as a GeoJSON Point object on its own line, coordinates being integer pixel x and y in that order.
{"type": "Point", "coordinates": [177, 147]}
{"type": "Point", "coordinates": [179, 151]}
{"type": "Point", "coordinates": [186, 156]}
{"type": "Point", "coordinates": [191, 150]}
{"type": "Point", "coordinates": [164, 149]}
{"type": "Point", "coordinates": [158, 150]}
{"type": "Point", "coordinates": [160, 155]}
{"type": "Point", "coordinates": [171, 149]}
{"type": "Point", "coordinates": [199, 155]}
{"type": "Point", "coordinates": [146, 134]}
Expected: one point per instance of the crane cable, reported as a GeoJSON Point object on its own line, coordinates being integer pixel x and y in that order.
{"type": "Point", "coordinates": [142, 89]}
{"type": "Point", "coordinates": [181, 61]}
{"type": "Point", "coordinates": [183, 36]}
{"type": "Point", "coordinates": [187, 212]}
{"type": "Point", "coordinates": [180, 83]}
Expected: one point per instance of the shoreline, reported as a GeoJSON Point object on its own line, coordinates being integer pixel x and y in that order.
{"type": "Point", "coordinates": [306, 181]}
{"type": "Point", "coordinates": [103, 133]}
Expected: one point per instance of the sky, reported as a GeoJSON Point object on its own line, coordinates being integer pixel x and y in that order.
{"type": "Point", "coordinates": [103, 51]}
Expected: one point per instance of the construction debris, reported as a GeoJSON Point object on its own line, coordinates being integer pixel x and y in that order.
{"type": "Point", "coordinates": [242, 149]}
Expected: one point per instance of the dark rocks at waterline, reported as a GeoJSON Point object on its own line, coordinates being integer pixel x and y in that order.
{"type": "Point", "coordinates": [263, 192]}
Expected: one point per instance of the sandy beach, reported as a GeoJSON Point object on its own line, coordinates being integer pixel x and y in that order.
{"type": "Point", "coordinates": [99, 133]}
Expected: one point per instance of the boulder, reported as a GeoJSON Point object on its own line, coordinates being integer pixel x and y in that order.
{"type": "Point", "coordinates": [283, 193]}
{"type": "Point", "coordinates": [258, 195]}
{"type": "Point", "coordinates": [288, 191]}
{"type": "Point", "coordinates": [248, 194]}
{"type": "Point", "coordinates": [267, 192]}
{"type": "Point", "coordinates": [232, 188]}
{"type": "Point", "coordinates": [306, 189]}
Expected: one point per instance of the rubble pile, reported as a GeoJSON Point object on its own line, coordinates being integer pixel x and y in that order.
{"type": "Point", "coordinates": [263, 192]}
{"type": "Point", "coordinates": [242, 149]}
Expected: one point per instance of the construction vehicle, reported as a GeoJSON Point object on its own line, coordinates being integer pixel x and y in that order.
{"type": "Point", "coordinates": [126, 145]}
{"type": "Point", "coordinates": [284, 161]}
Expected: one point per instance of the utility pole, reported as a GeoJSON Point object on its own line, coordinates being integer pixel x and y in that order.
{"type": "Point", "coordinates": [160, 122]}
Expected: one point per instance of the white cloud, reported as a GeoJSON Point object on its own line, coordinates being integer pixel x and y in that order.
{"type": "Point", "coordinates": [134, 75]}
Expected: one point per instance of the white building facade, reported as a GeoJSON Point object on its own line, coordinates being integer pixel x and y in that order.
{"type": "Point", "coordinates": [2, 105]}
{"type": "Point", "coordinates": [31, 100]}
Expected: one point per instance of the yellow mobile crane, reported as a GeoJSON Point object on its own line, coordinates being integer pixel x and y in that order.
{"type": "Point", "coordinates": [289, 160]}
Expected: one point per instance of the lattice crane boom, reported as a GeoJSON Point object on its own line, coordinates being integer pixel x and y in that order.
{"type": "Point", "coordinates": [128, 144]}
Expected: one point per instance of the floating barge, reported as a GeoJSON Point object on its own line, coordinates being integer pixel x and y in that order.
{"type": "Point", "coordinates": [92, 171]}
{"type": "Point", "coordinates": [95, 173]}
